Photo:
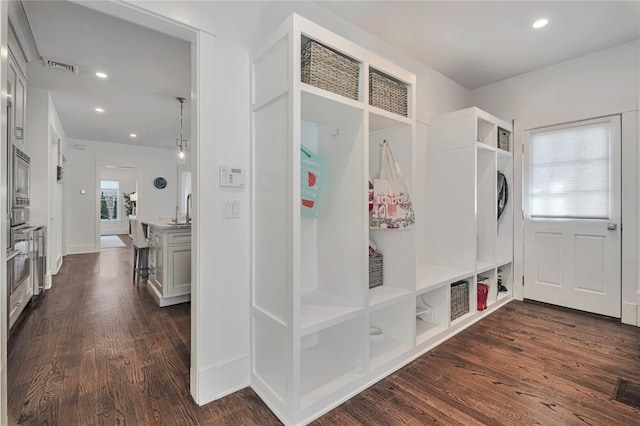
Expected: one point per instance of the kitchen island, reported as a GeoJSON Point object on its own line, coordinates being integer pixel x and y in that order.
{"type": "Point", "coordinates": [169, 280]}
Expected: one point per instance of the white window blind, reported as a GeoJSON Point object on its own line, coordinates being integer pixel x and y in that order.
{"type": "Point", "coordinates": [569, 172]}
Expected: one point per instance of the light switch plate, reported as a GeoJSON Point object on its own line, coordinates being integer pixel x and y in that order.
{"type": "Point", "coordinates": [232, 177]}
{"type": "Point", "coordinates": [231, 209]}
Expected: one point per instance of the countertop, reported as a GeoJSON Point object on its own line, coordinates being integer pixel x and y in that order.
{"type": "Point", "coordinates": [167, 226]}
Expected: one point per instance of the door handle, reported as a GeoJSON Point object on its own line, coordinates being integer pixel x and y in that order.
{"type": "Point", "coordinates": [612, 226]}
{"type": "Point", "coordinates": [13, 254]}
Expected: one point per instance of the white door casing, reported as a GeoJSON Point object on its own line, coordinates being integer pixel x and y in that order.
{"type": "Point", "coordinates": [573, 261]}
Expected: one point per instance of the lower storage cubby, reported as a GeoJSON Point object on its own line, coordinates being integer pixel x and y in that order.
{"type": "Point", "coordinates": [432, 314]}
{"type": "Point", "coordinates": [504, 281]}
{"type": "Point", "coordinates": [330, 359]}
{"type": "Point", "coordinates": [390, 333]}
{"type": "Point", "coordinates": [462, 303]}
{"type": "Point", "coordinates": [273, 366]}
{"type": "Point", "coordinates": [484, 300]}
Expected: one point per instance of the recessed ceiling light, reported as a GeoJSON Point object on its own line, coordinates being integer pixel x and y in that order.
{"type": "Point", "coordinates": [133, 135]}
{"type": "Point", "coordinates": [101, 74]}
{"type": "Point", "coordinates": [99, 109]}
{"type": "Point", "coordinates": [540, 23]}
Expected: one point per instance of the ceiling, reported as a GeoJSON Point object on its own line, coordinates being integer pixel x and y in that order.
{"type": "Point", "coordinates": [473, 42]}
{"type": "Point", "coordinates": [480, 42]}
{"type": "Point", "coordinates": [146, 71]}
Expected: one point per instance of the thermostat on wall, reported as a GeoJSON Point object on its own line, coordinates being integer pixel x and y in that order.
{"type": "Point", "coordinates": [231, 177]}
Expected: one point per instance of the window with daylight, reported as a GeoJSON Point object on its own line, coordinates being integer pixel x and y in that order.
{"type": "Point", "coordinates": [569, 171]}
{"type": "Point", "coordinates": [109, 199]}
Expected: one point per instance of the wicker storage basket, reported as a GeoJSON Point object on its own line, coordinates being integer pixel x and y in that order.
{"type": "Point", "coordinates": [459, 299]}
{"type": "Point", "coordinates": [387, 94]}
{"type": "Point", "coordinates": [328, 70]}
{"type": "Point", "coordinates": [375, 270]}
{"type": "Point", "coordinates": [503, 138]}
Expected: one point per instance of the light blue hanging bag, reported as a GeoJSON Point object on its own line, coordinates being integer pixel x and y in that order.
{"type": "Point", "coordinates": [312, 170]}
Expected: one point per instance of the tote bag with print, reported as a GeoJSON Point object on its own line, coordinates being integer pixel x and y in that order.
{"type": "Point", "coordinates": [392, 206]}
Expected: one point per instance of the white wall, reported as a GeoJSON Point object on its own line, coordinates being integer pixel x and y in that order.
{"type": "Point", "coordinates": [602, 82]}
{"type": "Point", "coordinates": [36, 144]}
{"type": "Point", "coordinates": [55, 231]}
{"type": "Point", "coordinates": [602, 76]}
{"type": "Point", "coordinates": [42, 131]}
{"type": "Point", "coordinates": [80, 174]}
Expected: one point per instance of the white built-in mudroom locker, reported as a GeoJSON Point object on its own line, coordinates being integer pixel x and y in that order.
{"type": "Point", "coordinates": [348, 286]}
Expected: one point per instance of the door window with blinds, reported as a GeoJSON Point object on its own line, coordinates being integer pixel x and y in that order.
{"type": "Point", "coordinates": [569, 173]}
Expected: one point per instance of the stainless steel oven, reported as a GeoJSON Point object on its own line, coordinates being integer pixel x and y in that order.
{"type": "Point", "coordinates": [21, 187]}
{"type": "Point", "coordinates": [19, 272]}
{"type": "Point", "coordinates": [19, 265]}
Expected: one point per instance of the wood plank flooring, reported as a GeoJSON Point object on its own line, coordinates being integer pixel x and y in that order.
{"type": "Point", "coordinates": [95, 350]}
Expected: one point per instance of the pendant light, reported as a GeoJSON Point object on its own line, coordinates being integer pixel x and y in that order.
{"type": "Point", "coordinates": [181, 142]}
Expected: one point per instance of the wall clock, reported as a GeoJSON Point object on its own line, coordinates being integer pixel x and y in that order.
{"type": "Point", "coordinates": [160, 182]}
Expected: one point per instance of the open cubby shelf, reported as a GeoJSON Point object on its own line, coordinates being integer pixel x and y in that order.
{"type": "Point", "coordinates": [385, 294]}
{"type": "Point", "coordinates": [429, 275]}
{"type": "Point", "coordinates": [396, 338]}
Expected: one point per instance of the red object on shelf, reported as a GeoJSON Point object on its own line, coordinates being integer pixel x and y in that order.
{"type": "Point", "coordinates": [483, 293]}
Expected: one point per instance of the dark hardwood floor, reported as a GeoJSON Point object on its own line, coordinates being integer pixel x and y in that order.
{"type": "Point", "coordinates": [96, 350]}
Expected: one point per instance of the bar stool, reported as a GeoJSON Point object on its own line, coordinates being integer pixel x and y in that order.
{"type": "Point", "coordinates": [140, 251]}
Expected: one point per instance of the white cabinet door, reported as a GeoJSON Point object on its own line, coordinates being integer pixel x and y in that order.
{"type": "Point", "coordinates": [20, 108]}
{"type": "Point", "coordinates": [159, 260]}
{"type": "Point", "coordinates": [178, 270]}
{"type": "Point", "coordinates": [153, 257]}
{"type": "Point", "coordinates": [12, 77]}
{"type": "Point", "coordinates": [572, 216]}
{"type": "Point", "coordinates": [17, 91]}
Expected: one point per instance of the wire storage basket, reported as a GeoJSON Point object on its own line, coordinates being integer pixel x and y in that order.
{"type": "Point", "coordinates": [329, 70]}
{"type": "Point", "coordinates": [375, 270]}
{"type": "Point", "coordinates": [386, 93]}
{"type": "Point", "coordinates": [503, 138]}
{"type": "Point", "coordinates": [459, 299]}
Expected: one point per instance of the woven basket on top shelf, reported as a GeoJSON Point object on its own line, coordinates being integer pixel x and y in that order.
{"type": "Point", "coordinates": [503, 138]}
{"type": "Point", "coordinates": [387, 94]}
{"type": "Point", "coordinates": [375, 270]}
{"type": "Point", "coordinates": [459, 299]}
{"type": "Point", "coordinates": [328, 70]}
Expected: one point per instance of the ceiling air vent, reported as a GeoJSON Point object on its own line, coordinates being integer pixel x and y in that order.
{"type": "Point", "coordinates": [50, 63]}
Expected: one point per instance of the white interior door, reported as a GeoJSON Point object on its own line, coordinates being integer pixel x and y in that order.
{"type": "Point", "coordinates": [572, 203]}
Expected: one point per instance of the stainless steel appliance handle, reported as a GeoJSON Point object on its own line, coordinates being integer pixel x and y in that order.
{"type": "Point", "coordinates": [13, 254]}
{"type": "Point", "coordinates": [41, 258]}
{"type": "Point", "coordinates": [9, 161]}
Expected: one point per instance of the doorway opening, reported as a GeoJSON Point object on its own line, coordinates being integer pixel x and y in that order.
{"type": "Point", "coordinates": [116, 186]}
{"type": "Point", "coordinates": [163, 24]}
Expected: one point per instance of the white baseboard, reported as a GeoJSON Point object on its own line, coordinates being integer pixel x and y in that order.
{"type": "Point", "coordinates": [58, 265]}
{"type": "Point", "coordinates": [630, 314]}
{"type": "Point", "coordinates": [83, 248]}
{"type": "Point", "coordinates": [47, 281]}
{"type": "Point", "coordinates": [221, 380]}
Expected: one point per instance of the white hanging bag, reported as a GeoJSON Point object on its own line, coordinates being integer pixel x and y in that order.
{"type": "Point", "coordinates": [392, 206]}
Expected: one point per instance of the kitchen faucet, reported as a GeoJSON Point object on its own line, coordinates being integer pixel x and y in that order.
{"type": "Point", "coordinates": [188, 219]}
{"type": "Point", "coordinates": [175, 219]}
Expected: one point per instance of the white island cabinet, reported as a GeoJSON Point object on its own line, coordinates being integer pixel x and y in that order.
{"type": "Point", "coordinates": [169, 263]}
